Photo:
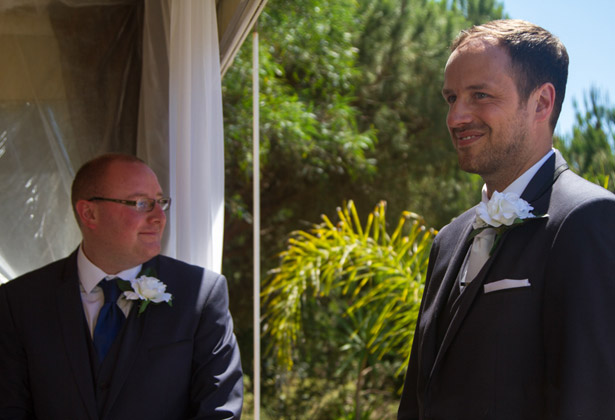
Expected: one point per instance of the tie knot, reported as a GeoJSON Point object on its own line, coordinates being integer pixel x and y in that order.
{"type": "Point", "coordinates": [110, 289]}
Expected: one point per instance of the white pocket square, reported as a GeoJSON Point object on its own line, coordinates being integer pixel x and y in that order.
{"type": "Point", "coordinates": [506, 284]}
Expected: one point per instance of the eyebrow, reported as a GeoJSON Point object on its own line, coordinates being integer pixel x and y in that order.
{"type": "Point", "coordinates": [479, 86]}
{"type": "Point", "coordinates": [139, 195]}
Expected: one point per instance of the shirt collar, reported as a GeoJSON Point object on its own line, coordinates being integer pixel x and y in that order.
{"type": "Point", "coordinates": [90, 274]}
{"type": "Point", "coordinates": [519, 184]}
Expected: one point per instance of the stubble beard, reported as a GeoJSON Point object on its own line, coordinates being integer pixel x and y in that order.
{"type": "Point", "coordinates": [496, 163]}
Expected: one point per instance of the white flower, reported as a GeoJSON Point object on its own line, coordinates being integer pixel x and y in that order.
{"type": "Point", "coordinates": [502, 212]}
{"type": "Point", "coordinates": [148, 290]}
{"type": "Point", "coordinates": [502, 209]}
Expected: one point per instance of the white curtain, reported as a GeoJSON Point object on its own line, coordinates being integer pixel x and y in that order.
{"type": "Point", "coordinates": [196, 135]}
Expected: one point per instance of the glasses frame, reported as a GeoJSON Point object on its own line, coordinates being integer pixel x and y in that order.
{"type": "Point", "coordinates": [164, 202]}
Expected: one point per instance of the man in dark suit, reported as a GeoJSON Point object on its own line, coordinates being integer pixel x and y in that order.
{"type": "Point", "coordinates": [77, 343]}
{"type": "Point", "coordinates": [517, 322]}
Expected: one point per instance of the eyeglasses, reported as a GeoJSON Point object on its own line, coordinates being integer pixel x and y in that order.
{"type": "Point", "coordinates": [142, 205]}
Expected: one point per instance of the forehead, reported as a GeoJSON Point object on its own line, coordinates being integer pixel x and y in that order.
{"type": "Point", "coordinates": [477, 62]}
{"type": "Point", "coordinates": [130, 179]}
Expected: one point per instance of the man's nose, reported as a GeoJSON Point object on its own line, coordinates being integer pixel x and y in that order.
{"type": "Point", "coordinates": [458, 114]}
{"type": "Point", "coordinates": [157, 215]}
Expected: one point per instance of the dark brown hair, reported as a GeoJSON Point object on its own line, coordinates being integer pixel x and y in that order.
{"type": "Point", "coordinates": [537, 56]}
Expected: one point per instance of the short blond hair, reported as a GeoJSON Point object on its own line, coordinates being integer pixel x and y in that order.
{"type": "Point", "coordinates": [89, 179]}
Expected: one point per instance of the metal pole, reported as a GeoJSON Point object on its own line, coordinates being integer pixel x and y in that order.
{"type": "Point", "coordinates": [256, 226]}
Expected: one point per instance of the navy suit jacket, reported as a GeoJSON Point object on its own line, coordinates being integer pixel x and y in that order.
{"type": "Point", "coordinates": [179, 362]}
{"type": "Point", "coordinates": [543, 351]}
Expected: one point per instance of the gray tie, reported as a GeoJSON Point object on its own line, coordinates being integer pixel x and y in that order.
{"type": "Point", "coordinates": [479, 254]}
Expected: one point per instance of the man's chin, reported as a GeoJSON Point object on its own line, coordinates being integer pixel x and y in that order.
{"type": "Point", "coordinates": [150, 251]}
{"type": "Point", "coordinates": [467, 165]}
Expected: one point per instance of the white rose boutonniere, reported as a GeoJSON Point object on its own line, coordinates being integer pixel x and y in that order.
{"type": "Point", "coordinates": [146, 288]}
{"type": "Point", "coordinates": [503, 212]}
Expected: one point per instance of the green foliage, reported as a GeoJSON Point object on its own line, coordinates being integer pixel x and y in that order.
{"type": "Point", "coordinates": [350, 107]}
{"type": "Point", "coordinates": [311, 150]}
{"type": "Point", "coordinates": [306, 69]}
{"type": "Point", "coordinates": [358, 284]}
{"type": "Point", "coordinates": [590, 150]}
{"type": "Point", "coordinates": [480, 11]}
{"type": "Point", "coordinates": [402, 52]}
{"type": "Point", "coordinates": [311, 146]}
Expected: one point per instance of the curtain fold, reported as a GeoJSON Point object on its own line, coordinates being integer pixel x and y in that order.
{"type": "Point", "coordinates": [196, 135]}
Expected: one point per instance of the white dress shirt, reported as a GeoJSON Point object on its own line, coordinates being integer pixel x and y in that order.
{"type": "Point", "coordinates": [92, 295]}
{"type": "Point", "coordinates": [479, 251]}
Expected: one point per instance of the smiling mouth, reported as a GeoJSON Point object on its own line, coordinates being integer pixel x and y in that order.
{"type": "Point", "coordinates": [467, 139]}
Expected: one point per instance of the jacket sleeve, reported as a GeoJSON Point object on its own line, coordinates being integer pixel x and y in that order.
{"type": "Point", "coordinates": [216, 390]}
{"type": "Point", "coordinates": [579, 315]}
{"type": "Point", "coordinates": [15, 399]}
{"type": "Point", "coordinates": [409, 406]}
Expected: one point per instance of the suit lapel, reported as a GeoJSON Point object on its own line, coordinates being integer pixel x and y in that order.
{"type": "Point", "coordinates": [131, 344]}
{"type": "Point", "coordinates": [543, 181]}
{"type": "Point", "coordinates": [465, 302]}
{"type": "Point", "coordinates": [534, 193]}
{"type": "Point", "coordinates": [432, 348]}
{"type": "Point", "coordinates": [70, 311]}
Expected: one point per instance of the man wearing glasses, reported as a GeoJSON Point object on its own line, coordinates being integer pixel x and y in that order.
{"type": "Point", "coordinates": [115, 330]}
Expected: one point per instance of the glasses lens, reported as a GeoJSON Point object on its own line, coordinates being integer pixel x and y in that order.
{"type": "Point", "coordinates": [164, 203]}
{"type": "Point", "coordinates": [145, 204]}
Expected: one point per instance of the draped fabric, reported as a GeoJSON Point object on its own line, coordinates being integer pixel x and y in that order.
{"type": "Point", "coordinates": [196, 135]}
{"type": "Point", "coordinates": [84, 77]}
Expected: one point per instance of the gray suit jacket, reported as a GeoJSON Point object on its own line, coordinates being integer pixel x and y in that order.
{"type": "Point", "coordinates": [179, 362]}
{"type": "Point", "coordinates": [542, 351]}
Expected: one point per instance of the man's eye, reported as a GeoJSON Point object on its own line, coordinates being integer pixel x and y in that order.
{"type": "Point", "coordinates": [480, 95]}
{"type": "Point", "coordinates": [142, 205]}
{"type": "Point", "coordinates": [451, 99]}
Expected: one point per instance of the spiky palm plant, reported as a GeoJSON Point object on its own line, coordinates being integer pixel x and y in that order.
{"type": "Point", "coordinates": [367, 282]}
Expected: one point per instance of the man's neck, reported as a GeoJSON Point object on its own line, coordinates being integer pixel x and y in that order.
{"type": "Point", "coordinates": [105, 265]}
{"type": "Point", "coordinates": [521, 180]}
{"type": "Point", "coordinates": [90, 273]}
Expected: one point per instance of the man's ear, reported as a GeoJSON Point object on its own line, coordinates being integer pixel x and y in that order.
{"type": "Point", "coordinates": [545, 101]}
{"type": "Point", "coordinates": [87, 212]}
